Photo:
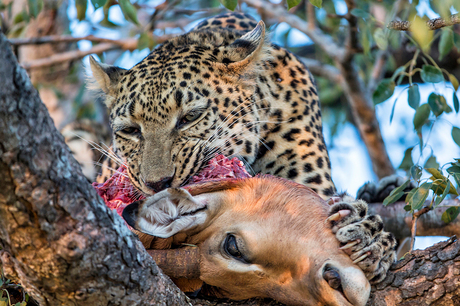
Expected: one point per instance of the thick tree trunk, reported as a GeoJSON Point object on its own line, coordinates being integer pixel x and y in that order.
{"type": "Point", "coordinates": [58, 238]}
{"type": "Point", "coordinates": [426, 277]}
{"type": "Point", "coordinates": [56, 235]}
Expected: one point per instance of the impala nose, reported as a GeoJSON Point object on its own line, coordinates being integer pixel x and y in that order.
{"type": "Point", "coordinates": [332, 277]}
{"type": "Point", "coordinates": [160, 185]}
{"type": "Point", "coordinates": [348, 280]}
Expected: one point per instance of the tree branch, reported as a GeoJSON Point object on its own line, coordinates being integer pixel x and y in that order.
{"type": "Point", "coordinates": [432, 24]}
{"type": "Point", "coordinates": [363, 113]}
{"type": "Point", "coordinates": [322, 40]}
{"type": "Point", "coordinates": [327, 71]}
{"type": "Point", "coordinates": [106, 45]}
{"type": "Point", "coordinates": [56, 234]}
{"type": "Point", "coordinates": [424, 277]}
{"type": "Point", "coordinates": [352, 44]}
{"type": "Point", "coordinates": [378, 70]}
{"type": "Point", "coordinates": [398, 221]}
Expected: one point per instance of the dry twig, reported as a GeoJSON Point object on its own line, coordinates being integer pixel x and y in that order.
{"type": "Point", "coordinates": [432, 24]}
{"type": "Point", "coordinates": [54, 39]}
{"type": "Point", "coordinates": [106, 45]}
{"type": "Point", "coordinates": [414, 225]}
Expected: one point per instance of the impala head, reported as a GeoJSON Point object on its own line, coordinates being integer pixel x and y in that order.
{"type": "Point", "coordinates": [259, 237]}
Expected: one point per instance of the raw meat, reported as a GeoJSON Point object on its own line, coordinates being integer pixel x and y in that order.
{"type": "Point", "coordinates": [118, 192]}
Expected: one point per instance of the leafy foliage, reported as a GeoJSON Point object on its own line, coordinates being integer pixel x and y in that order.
{"type": "Point", "coordinates": [438, 185]}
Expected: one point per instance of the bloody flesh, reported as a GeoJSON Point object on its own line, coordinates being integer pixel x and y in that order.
{"type": "Point", "coordinates": [118, 192]}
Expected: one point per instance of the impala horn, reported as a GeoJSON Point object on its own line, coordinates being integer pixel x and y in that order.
{"type": "Point", "coordinates": [178, 263]}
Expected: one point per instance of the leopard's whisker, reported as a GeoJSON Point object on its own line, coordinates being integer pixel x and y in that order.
{"type": "Point", "coordinates": [99, 148]}
{"type": "Point", "coordinates": [110, 168]}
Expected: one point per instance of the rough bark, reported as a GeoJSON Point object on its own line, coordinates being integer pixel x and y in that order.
{"type": "Point", "coordinates": [425, 277]}
{"type": "Point", "coordinates": [57, 236]}
{"type": "Point", "coordinates": [64, 245]}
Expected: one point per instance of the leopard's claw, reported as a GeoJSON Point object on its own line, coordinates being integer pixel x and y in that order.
{"type": "Point", "coordinates": [362, 236]}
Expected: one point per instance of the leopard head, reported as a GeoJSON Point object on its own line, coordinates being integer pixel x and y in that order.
{"type": "Point", "coordinates": [192, 97]}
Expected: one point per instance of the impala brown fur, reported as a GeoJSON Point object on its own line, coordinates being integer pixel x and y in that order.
{"type": "Point", "coordinates": [284, 248]}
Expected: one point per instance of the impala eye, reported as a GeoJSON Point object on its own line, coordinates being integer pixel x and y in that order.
{"type": "Point", "coordinates": [231, 248]}
{"type": "Point", "coordinates": [130, 130]}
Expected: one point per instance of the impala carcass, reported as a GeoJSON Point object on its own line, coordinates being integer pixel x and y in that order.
{"type": "Point", "coordinates": [267, 237]}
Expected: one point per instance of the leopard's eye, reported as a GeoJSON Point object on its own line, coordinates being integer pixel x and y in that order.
{"type": "Point", "coordinates": [189, 118]}
{"type": "Point", "coordinates": [130, 130]}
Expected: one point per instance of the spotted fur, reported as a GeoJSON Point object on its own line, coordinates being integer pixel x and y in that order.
{"type": "Point", "coordinates": [219, 88]}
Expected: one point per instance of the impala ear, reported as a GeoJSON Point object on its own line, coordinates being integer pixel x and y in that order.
{"type": "Point", "coordinates": [246, 50]}
{"type": "Point", "coordinates": [106, 78]}
{"type": "Point", "coordinates": [168, 212]}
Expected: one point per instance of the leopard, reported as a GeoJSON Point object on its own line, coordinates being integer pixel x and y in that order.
{"type": "Point", "coordinates": [223, 88]}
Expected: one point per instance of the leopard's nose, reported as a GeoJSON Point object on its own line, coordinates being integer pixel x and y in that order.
{"type": "Point", "coordinates": [161, 184]}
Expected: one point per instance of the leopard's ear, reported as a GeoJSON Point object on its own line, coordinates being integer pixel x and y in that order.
{"type": "Point", "coordinates": [243, 52]}
{"type": "Point", "coordinates": [106, 77]}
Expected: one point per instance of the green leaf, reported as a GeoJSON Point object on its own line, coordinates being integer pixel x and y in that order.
{"type": "Point", "coordinates": [450, 214]}
{"type": "Point", "coordinates": [359, 13]}
{"type": "Point", "coordinates": [384, 91]}
{"type": "Point", "coordinates": [435, 104]}
{"type": "Point", "coordinates": [35, 6]}
{"type": "Point", "coordinates": [231, 4]}
{"type": "Point", "coordinates": [438, 104]}
{"type": "Point", "coordinates": [395, 194]}
{"type": "Point", "coordinates": [420, 32]}
{"type": "Point", "coordinates": [81, 6]}
{"type": "Point", "coordinates": [145, 41]}
{"type": "Point", "coordinates": [421, 116]}
{"type": "Point", "coordinates": [457, 41]}
{"type": "Point", "coordinates": [414, 96]}
{"type": "Point", "coordinates": [431, 74]}
{"type": "Point", "coordinates": [454, 81]}
{"type": "Point", "coordinates": [438, 200]}
{"type": "Point", "coordinates": [456, 135]}
{"type": "Point", "coordinates": [317, 3]}
{"type": "Point", "coordinates": [454, 171]}
{"type": "Point", "coordinates": [446, 42]}
{"type": "Point", "coordinates": [431, 162]}
{"type": "Point", "coordinates": [98, 3]}
{"type": "Point", "coordinates": [380, 39]}
{"type": "Point", "coordinates": [129, 11]}
{"type": "Point", "coordinates": [456, 103]}
{"type": "Point", "coordinates": [436, 173]}
{"type": "Point", "coordinates": [416, 172]}
{"type": "Point", "coordinates": [393, 111]}
{"type": "Point", "coordinates": [439, 179]}
{"type": "Point", "coordinates": [407, 162]}
{"type": "Point", "coordinates": [418, 198]}
{"type": "Point", "coordinates": [407, 208]}
{"type": "Point", "coordinates": [3, 303]}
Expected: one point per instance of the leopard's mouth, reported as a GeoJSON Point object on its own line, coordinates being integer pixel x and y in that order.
{"type": "Point", "coordinates": [118, 191]}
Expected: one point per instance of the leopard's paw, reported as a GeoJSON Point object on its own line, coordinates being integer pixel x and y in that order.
{"type": "Point", "coordinates": [362, 236]}
{"type": "Point", "coordinates": [377, 192]}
